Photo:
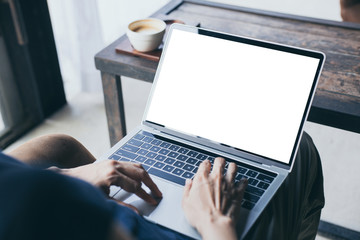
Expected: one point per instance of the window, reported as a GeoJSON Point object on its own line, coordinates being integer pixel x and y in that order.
{"type": "Point", "coordinates": [30, 81]}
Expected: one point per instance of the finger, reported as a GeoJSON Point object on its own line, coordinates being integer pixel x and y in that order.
{"type": "Point", "coordinates": [238, 193]}
{"type": "Point", "coordinates": [129, 206]}
{"type": "Point", "coordinates": [225, 197]}
{"type": "Point", "coordinates": [146, 179]}
{"type": "Point", "coordinates": [146, 197]}
{"type": "Point", "coordinates": [187, 188]}
{"type": "Point", "coordinates": [219, 165]}
{"type": "Point", "coordinates": [231, 173]}
{"type": "Point", "coordinates": [125, 182]}
{"type": "Point", "coordinates": [204, 169]}
{"type": "Point", "coordinates": [216, 177]}
{"type": "Point", "coordinates": [138, 173]}
{"type": "Point", "coordinates": [241, 186]}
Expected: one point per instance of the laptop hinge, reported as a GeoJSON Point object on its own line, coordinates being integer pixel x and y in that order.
{"type": "Point", "coordinates": [155, 123]}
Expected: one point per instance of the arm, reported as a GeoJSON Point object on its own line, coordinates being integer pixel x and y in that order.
{"type": "Point", "coordinates": [212, 201]}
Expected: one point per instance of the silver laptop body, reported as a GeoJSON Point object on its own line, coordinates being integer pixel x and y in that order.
{"type": "Point", "coordinates": [221, 95]}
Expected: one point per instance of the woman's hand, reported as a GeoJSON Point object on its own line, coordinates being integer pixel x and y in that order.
{"type": "Point", "coordinates": [128, 176]}
{"type": "Point", "coordinates": [212, 201]}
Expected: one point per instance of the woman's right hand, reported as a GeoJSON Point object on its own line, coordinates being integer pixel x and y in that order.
{"type": "Point", "coordinates": [212, 201]}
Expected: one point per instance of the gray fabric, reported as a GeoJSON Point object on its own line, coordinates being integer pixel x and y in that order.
{"type": "Point", "coordinates": [294, 212]}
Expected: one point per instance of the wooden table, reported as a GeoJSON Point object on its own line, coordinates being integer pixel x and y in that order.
{"type": "Point", "coordinates": [337, 99]}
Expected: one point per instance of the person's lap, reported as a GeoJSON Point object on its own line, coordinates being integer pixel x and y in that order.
{"type": "Point", "coordinates": [293, 213]}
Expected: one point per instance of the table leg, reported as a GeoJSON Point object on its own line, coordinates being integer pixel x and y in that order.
{"type": "Point", "coordinates": [114, 105]}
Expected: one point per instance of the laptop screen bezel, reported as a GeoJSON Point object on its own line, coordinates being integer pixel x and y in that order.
{"type": "Point", "coordinates": [221, 147]}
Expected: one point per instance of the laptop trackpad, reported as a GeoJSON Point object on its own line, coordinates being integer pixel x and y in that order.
{"type": "Point", "coordinates": [168, 213]}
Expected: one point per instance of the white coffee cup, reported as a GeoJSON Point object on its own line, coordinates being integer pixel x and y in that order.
{"type": "Point", "coordinates": [146, 34]}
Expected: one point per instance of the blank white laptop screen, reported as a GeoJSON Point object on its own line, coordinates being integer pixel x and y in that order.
{"type": "Point", "coordinates": [248, 97]}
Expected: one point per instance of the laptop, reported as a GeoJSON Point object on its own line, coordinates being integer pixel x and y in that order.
{"type": "Point", "coordinates": [217, 94]}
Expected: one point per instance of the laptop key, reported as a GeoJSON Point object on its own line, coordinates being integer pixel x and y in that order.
{"type": "Point", "coordinates": [178, 171]}
{"type": "Point", "coordinates": [241, 170]}
{"type": "Point", "coordinates": [239, 177]}
{"type": "Point", "coordinates": [191, 161]}
{"type": "Point", "coordinates": [165, 145]}
{"type": "Point", "coordinates": [114, 157]}
{"type": "Point", "coordinates": [174, 147]}
{"type": "Point", "coordinates": [169, 161]}
{"type": "Point", "coordinates": [150, 162]}
{"type": "Point", "coordinates": [179, 164]}
{"type": "Point", "coordinates": [183, 150]}
{"type": "Point", "coordinates": [251, 197]}
{"type": "Point", "coordinates": [248, 205]}
{"type": "Point", "coordinates": [126, 154]}
{"type": "Point", "coordinates": [187, 175]}
{"type": "Point", "coordinates": [139, 136]}
{"type": "Point", "coordinates": [140, 159]}
{"type": "Point", "coordinates": [156, 142]}
{"type": "Point", "coordinates": [251, 173]}
{"type": "Point", "coordinates": [263, 185]}
{"type": "Point", "coordinates": [159, 165]}
{"type": "Point", "coordinates": [255, 191]}
{"type": "Point", "coordinates": [188, 167]}
{"type": "Point", "coordinates": [167, 176]}
{"type": "Point", "coordinates": [130, 148]}
{"type": "Point", "coordinates": [154, 149]}
{"type": "Point", "coordinates": [192, 154]}
{"type": "Point", "coordinates": [182, 157]}
{"type": "Point", "coordinates": [168, 168]}
{"type": "Point", "coordinates": [160, 158]}
{"type": "Point", "coordinates": [142, 152]}
{"type": "Point", "coordinates": [265, 178]}
{"type": "Point", "coordinates": [135, 142]}
{"type": "Point", "coordinates": [148, 139]}
{"type": "Point", "coordinates": [151, 155]}
{"type": "Point", "coordinates": [201, 157]}
{"type": "Point", "coordinates": [173, 154]}
{"type": "Point", "coordinates": [146, 146]}
{"type": "Point", "coordinates": [252, 181]}
{"type": "Point", "coordinates": [164, 151]}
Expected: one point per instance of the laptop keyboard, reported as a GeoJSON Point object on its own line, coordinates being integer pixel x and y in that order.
{"type": "Point", "coordinates": [176, 162]}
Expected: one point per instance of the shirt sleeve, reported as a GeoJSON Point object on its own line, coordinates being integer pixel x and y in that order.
{"type": "Point", "coordinates": [40, 204]}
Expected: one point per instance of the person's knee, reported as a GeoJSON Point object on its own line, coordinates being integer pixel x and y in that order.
{"type": "Point", "coordinates": [69, 152]}
{"type": "Point", "coordinates": [56, 141]}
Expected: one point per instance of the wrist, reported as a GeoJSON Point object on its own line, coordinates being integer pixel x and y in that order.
{"type": "Point", "coordinates": [58, 170]}
{"type": "Point", "coordinates": [217, 227]}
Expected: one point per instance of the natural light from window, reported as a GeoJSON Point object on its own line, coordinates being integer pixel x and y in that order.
{"type": "Point", "coordinates": [2, 126]}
